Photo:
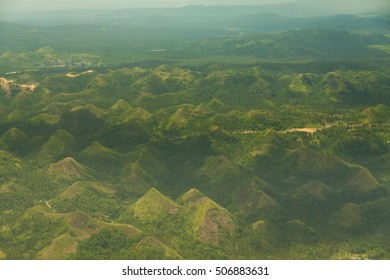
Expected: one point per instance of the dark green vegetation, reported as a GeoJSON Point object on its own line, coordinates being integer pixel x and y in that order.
{"type": "Point", "coordinates": [230, 145]}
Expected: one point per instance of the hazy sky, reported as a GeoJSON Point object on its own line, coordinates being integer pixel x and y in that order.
{"type": "Point", "coordinates": [7, 5]}
{"type": "Point", "coordinates": [74, 4]}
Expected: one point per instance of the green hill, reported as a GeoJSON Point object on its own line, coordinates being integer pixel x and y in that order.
{"type": "Point", "coordinates": [119, 111]}
{"type": "Point", "coordinates": [14, 196]}
{"type": "Point", "coordinates": [313, 190]}
{"type": "Point", "coordinates": [65, 137]}
{"type": "Point", "coordinates": [164, 79]}
{"type": "Point", "coordinates": [137, 170]}
{"type": "Point", "coordinates": [363, 181]}
{"type": "Point", "coordinates": [219, 169]}
{"type": "Point", "coordinates": [180, 118]}
{"type": "Point", "coordinates": [133, 185]}
{"type": "Point", "coordinates": [320, 166]}
{"type": "Point", "coordinates": [349, 216]}
{"type": "Point", "coordinates": [9, 165]}
{"type": "Point", "coordinates": [53, 148]}
{"type": "Point", "coordinates": [68, 169]}
{"type": "Point", "coordinates": [254, 203]}
{"type": "Point", "coordinates": [101, 158]}
{"type": "Point", "coordinates": [154, 205]}
{"type": "Point", "coordinates": [296, 231]}
{"type": "Point", "coordinates": [155, 249]}
{"type": "Point", "coordinates": [82, 119]}
{"type": "Point", "coordinates": [79, 227]}
{"type": "Point", "coordinates": [44, 119]}
{"type": "Point", "coordinates": [15, 138]}
{"type": "Point", "coordinates": [190, 197]}
{"type": "Point", "coordinates": [45, 57]}
{"type": "Point", "coordinates": [96, 199]}
{"type": "Point", "coordinates": [139, 114]}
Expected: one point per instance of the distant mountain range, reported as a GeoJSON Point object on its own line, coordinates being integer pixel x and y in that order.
{"type": "Point", "coordinates": [213, 16]}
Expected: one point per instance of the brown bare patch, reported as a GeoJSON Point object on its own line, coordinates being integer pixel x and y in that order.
{"type": "Point", "coordinates": [70, 75]}
{"type": "Point", "coordinates": [214, 224]}
{"type": "Point", "coordinates": [7, 84]}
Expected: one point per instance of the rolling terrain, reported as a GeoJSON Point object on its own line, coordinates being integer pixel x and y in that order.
{"type": "Point", "coordinates": [252, 146]}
